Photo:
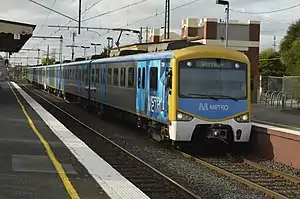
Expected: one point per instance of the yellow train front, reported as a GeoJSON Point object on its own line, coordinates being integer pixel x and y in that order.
{"type": "Point", "coordinates": [209, 95]}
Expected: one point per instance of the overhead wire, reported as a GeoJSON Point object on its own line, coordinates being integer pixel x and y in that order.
{"type": "Point", "coordinates": [267, 12]}
{"type": "Point", "coordinates": [149, 17]}
{"type": "Point", "coordinates": [115, 10]}
{"type": "Point", "coordinates": [46, 17]}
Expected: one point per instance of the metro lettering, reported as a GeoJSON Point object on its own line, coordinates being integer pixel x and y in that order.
{"type": "Point", "coordinates": [213, 107]}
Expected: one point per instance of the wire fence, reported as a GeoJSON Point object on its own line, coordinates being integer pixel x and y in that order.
{"type": "Point", "coordinates": [280, 92]}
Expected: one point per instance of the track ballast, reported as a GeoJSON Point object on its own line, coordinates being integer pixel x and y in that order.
{"type": "Point", "coordinates": [148, 179]}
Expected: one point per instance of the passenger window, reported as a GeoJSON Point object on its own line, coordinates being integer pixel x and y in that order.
{"type": "Point", "coordinates": [97, 75]}
{"type": "Point", "coordinates": [143, 78]}
{"type": "Point", "coordinates": [122, 77]}
{"type": "Point", "coordinates": [131, 77]}
{"type": "Point", "coordinates": [109, 76]}
{"type": "Point", "coordinates": [82, 74]}
{"type": "Point", "coordinates": [139, 77]}
{"type": "Point", "coordinates": [153, 78]}
{"type": "Point", "coordinates": [116, 77]}
{"type": "Point", "coordinates": [93, 75]}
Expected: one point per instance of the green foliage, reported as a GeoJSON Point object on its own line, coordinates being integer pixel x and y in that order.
{"type": "Point", "coordinates": [48, 61]}
{"type": "Point", "coordinates": [289, 49]}
{"type": "Point", "coordinates": [270, 64]}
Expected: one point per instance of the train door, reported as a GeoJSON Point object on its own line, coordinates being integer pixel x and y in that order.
{"type": "Point", "coordinates": [55, 77]}
{"type": "Point", "coordinates": [86, 80]}
{"type": "Point", "coordinates": [93, 78]}
{"type": "Point", "coordinates": [141, 93]}
{"type": "Point", "coordinates": [158, 94]}
{"type": "Point", "coordinates": [102, 82]}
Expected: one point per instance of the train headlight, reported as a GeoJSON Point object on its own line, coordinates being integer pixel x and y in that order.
{"type": "Point", "coordinates": [183, 117]}
{"type": "Point", "coordinates": [242, 118]}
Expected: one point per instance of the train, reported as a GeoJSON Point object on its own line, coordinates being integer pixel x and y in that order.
{"type": "Point", "coordinates": [189, 95]}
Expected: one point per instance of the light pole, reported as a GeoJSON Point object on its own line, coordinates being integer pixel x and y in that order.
{"type": "Point", "coordinates": [84, 50]}
{"type": "Point", "coordinates": [226, 3]}
{"type": "Point", "coordinates": [110, 43]}
{"type": "Point", "coordinates": [95, 45]}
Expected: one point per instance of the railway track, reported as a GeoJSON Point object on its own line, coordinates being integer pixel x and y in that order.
{"type": "Point", "coordinates": [273, 183]}
{"type": "Point", "coordinates": [151, 181]}
{"type": "Point", "coordinates": [156, 185]}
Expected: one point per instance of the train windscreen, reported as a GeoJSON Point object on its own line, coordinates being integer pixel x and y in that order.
{"type": "Point", "coordinates": [213, 78]}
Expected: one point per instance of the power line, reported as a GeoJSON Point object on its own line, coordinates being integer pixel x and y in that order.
{"type": "Point", "coordinates": [152, 16]}
{"type": "Point", "coordinates": [89, 8]}
{"type": "Point", "coordinates": [46, 17]}
{"type": "Point", "coordinates": [121, 8]}
{"type": "Point", "coordinates": [268, 12]}
{"type": "Point", "coordinates": [52, 10]}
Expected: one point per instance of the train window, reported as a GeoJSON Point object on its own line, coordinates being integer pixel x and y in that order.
{"type": "Point", "coordinates": [143, 78]}
{"type": "Point", "coordinates": [139, 77]}
{"type": "Point", "coordinates": [109, 76]}
{"type": "Point", "coordinates": [82, 74]}
{"type": "Point", "coordinates": [116, 77]}
{"type": "Point", "coordinates": [123, 75]}
{"type": "Point", "coordinates": [93, 75]}
{"type": "Point", "coordinates": [153, 78]}
{"type": "Point", "coordinates": [97, 74]}
{"type": "Point", "coordinates": [131, 77]}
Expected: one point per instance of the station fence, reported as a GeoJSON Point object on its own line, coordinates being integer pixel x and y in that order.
{"type": "Point", "coordinates": [280, 92]}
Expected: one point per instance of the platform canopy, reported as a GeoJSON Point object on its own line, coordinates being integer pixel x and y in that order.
{"type": "Point", "coordinates": [14, 35]}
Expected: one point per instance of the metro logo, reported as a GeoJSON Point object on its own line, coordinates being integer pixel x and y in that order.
{"type": "Point", "coordinates": [213, 107]}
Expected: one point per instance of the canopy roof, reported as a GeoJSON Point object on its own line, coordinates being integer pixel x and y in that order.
{"type": "Point", "coordinates": [14, 35]}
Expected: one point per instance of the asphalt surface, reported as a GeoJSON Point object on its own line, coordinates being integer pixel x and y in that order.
{"type": "Point", "coordinates": [25, 168]}
{"type": "Point", "coordinates": [276, 117]}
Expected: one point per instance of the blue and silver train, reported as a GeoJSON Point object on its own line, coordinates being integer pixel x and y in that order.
{"type": "Point", "coordinates": [191, 94]}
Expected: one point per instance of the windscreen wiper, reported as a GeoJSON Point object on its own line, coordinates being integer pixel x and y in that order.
{"type": "Point", "coordinates": [227, 96]}
{"type": "Point", "coordinates": [203, 95]}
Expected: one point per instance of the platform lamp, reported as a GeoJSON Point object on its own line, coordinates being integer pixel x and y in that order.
{"type": "Point", "coordinates": [225, 3]}
{"type": "Point", "coordinates": [95, 45]}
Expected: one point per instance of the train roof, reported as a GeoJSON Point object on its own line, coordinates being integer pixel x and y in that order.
{"type": "Point", "coordinates": [184, 53]}
{"type": "Point", "coordinates": [136, 57]}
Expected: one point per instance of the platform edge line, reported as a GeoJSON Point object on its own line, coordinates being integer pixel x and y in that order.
{"type": "Point", "coordinates": [67, 183]}
{"type": "Point", "coordinates": [108, 184]}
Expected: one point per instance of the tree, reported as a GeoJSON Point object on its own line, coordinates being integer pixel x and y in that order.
{"type": "Point", "coordinates": [289, 49]}
{"type": "Point", "coordinates": [48, 61]}
{"type": "Point", "coordinates": [270, 63]}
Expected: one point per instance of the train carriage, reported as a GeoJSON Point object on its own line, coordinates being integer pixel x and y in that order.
{"type": "Point", "coordinates": [194, 93]}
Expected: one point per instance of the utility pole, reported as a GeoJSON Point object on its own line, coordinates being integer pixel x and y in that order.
{"type": "Point", "coordinates": [53, 37]}
{"type": "Point", "coordinates": [141, 35]}
{"type": "Point", "coordinates": [73, 45]}
{"type": "Point", "coordinates": [274, 43]}
{"type": "Point", "coordinates": [47, 55]}
{"type": "Point", "coordinates": [38, 58]}
{"type": "Point", "coordinates": [147, 33]}
{"type": "Point", "coordinates": [167, 20]}
{"type": "Point", "coordinates": [79, 20]}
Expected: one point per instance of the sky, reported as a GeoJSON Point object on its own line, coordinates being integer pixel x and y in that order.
{"type": "Point", "coordinates": [139, 13]}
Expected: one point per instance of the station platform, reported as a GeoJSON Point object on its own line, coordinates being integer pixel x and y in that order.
{"type": "Point", "coordinates": [31, 156]}
{"type": "Point", "coordinates": [41, 158]}
{"type": "Point", "coordinates": [289, 119]}
{"type": "Point", "coordinates": [276, 134]}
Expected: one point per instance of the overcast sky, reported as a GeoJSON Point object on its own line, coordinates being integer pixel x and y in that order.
{"type": "Point", "coordinates": [272, 24]}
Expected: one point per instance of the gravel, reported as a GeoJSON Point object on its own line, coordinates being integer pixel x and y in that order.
{"type": "Point", "coordinates": [272, 164]}
{"type": "Point", "coordinates": [192, 175]}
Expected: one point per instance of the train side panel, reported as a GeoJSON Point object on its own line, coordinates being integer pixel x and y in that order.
{"type": "Point", "coordinates": [120, 90]}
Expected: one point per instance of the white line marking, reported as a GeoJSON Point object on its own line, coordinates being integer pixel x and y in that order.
{"type": "Point", "coordinates": [111, 181]}
{"type": "Point", "coordinates": [275, 128]}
